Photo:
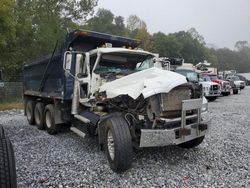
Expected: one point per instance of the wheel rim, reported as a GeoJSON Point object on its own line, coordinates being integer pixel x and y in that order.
{"type": "Point", "coordinates": [48, 119]}
{"type": "Point", "coordinates": [37, 117]}
{"type": "Point", "coordinates": [111, 145]}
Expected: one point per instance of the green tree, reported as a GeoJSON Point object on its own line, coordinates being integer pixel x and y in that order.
{"type": "Point", "coordinates": [134, 22]}
{"type": "Point", "coordinates": [7, 22]}
{"type": "Point", "coordinates": [33, 27]}
{"type": "Point", "coordinates": [193, 51]}
{"type": "Point", "coordinates": [7, 35]}
{"type": "Point", "coordinates": [240, 45]}
{"type": "Point", "coordinates": [145, 38]}
{"type": "Point", "coordinates": [166, 45]}
{"type": "Point", "coordinates": [105, 21]}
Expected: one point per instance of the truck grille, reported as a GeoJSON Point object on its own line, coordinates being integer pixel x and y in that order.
{"type": "Point", "coordinates": [226, 84]}
{"type": "Point", "coordinates": [214, 87]}
{"type": "Point", "coordinates": [172, 101]}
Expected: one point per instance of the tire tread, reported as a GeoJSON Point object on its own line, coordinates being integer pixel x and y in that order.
{"type": "Point", "coordinates": [7, 164]}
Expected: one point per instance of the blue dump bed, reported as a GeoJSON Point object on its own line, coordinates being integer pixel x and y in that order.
{"type": "Point", "coordinates": [45, 77]}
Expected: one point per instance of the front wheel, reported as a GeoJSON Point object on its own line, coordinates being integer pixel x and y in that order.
{"type": "Point", "coordinates": [118, 144]}
{"type": "Point", "coordinates": [192, 143]}
{"type": "Point", "coordinates": [211, 98]}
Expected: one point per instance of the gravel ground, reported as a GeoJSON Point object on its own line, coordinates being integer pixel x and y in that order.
{"type": "Point", "coordinates": [66, 160]}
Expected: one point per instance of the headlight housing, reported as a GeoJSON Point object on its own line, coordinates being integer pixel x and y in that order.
{"type": "Point", "coordinates": [204, 107]}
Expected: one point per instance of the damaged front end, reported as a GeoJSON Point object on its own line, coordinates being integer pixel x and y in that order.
{"type": "Point", "coordinates": [162, 118]}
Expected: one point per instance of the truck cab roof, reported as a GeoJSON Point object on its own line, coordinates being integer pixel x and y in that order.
{"type": "Point", "coordinates": [121, 50]}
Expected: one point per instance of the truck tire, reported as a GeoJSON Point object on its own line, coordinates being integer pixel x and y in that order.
{"type": "Point", "coordinates": [118, 144]}
{"type": "Point", "coordinates": [39, 115]}
{"type": "Point", "coordinates": [225, 93]}
{"type": "Point", "coordinates": [235, 91]}
{"type": "Point", "coordinates": [29, 108]}
{"type": "Point", "coordinates": [211, 98]}
{"type": "Point", "coordinates": [192, 143]}
{"type": "Point", "coordinates": [1, 132]}
{"type": "Point", "coordinates": [7, 164]}
{"type": "Point", "coordinates": [50, 125]}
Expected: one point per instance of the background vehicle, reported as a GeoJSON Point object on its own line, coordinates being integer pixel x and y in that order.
{"type": "Point", "coordinates": [211, 90]}
{"type": "Point", "coordinates": [114, 93]}
{"type": "Point", "coordinates": [192, 77]}
{"type": "Point", "coordinates": [243, 78]}
{"type": "Point", "coordinates": [237, 82]}
{"type": "Point", "coordinates": [247, 76]}
{"type": "Point", "coordinates": [224, 85]}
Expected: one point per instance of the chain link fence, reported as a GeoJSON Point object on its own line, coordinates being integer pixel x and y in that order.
{"type": "Point", "coordinates": [11, 92]}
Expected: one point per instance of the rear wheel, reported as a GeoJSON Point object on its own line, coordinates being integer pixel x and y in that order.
{"type": "Point", "coordinates": [225, 93]}
{"type": "Point", "coordinates": [235, 91]}
{"type": "Point", "coordinates": [211, 98]}
{"type": "Point", "coordinates": [39, 115]}
{"type": "Point", "coordinates": [7, 164]}
{"type": "Point", "coordinates": [192, 143]}
{"type": "Point", "coordinates": [30, 106]}
{"type": "Point", "coordinates": [118, 144]}
{"type": "Point", "coordinates": [50, 125]}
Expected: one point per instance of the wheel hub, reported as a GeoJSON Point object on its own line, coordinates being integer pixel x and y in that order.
{"type": "Point", "coordinates": [48, 119]}
{"type": "Point", "coordinates": [111, 145]}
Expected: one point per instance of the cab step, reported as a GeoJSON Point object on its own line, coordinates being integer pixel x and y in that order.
{"type": "Point", "coordinates": [78, 131]}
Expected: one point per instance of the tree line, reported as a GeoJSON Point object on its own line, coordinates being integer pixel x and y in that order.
{"type": "Point", "coordinates": [30, 29]}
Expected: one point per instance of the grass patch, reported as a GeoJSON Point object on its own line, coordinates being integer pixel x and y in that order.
{"type": "Point", "coordinates": [11, 105]}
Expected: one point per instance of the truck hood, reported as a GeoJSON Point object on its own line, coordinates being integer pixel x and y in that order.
{"type": "Point", "coordinates": [238, 82]}
{"type": "Point", "coordinates": [147, 82]}
{"type": "Point", "coordinates": [208, 83]}
{"type": "Point", "coordinates": [219, 81]}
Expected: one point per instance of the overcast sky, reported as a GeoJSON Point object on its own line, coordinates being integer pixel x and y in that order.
{"type": "Point", "coordinates": [220, 22]}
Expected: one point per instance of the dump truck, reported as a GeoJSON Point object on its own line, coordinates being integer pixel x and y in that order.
{"type": "Point", "coordinates": [105, 86]}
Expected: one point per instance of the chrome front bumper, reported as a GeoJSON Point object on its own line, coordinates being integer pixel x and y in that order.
{"type": "Point", "coordinates": [164, 137]}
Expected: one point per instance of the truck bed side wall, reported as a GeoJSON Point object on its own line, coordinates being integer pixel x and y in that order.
{"type": "Point", "coordinates": [33, 75]}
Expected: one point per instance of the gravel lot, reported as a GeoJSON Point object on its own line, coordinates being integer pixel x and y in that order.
{"type": "Point", "coordinates": [66, 160]}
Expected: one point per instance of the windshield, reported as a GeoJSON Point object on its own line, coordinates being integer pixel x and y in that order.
{"type": "Point", "coordinates": [190, 75]}
{"type": "Point", "coordinates": [205, 78]}
{"type": "Point", "coordinates": [213, 77]}
{"type": "Point", "coordinates": [123, 63]}
{"type": "Point", "coordinates": [235, 78]}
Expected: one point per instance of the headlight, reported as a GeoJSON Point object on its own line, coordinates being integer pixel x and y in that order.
{"type": "Point", "coordinates": [204, 107]}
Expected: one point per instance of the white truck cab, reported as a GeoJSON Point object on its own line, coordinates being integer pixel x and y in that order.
{"type": "Point", "coordinates": [211, 90]}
